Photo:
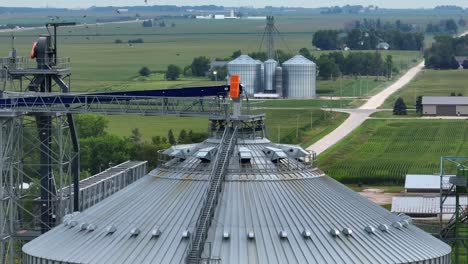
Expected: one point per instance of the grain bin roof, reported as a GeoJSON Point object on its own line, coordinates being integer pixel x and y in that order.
{"type": "Point", "coordinates": [299, 59]}
{"type": "Point", "coordinates": [244, 59]}
{"type": "Point", "coordinates": [445, 100]}
{"type": "Point", "coordinates": [269, 212]}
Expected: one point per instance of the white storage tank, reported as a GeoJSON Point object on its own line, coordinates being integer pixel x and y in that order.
{"type": "Point", "coordinates": [279, 81]}
{"type": "Point", "coordinates": [270, 69]}
{"type": "Point", "coordinates": [261, 86]}
{"type": "Point", "coordinates": [299, 75]}
{"type": "Point", "coordinates": [249, 71]}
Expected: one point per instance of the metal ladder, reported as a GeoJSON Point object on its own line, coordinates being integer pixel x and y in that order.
{"type": "Point", "coordinates": [196, 245]}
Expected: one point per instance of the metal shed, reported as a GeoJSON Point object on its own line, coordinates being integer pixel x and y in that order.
{"type": "Point", "coordinates": [426, 183]}
{"type": "Point", "coordinates": [445, 105]}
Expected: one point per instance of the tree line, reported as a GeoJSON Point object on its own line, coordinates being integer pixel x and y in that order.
{"type": "Point", "coordinates": [444, 50]}
{"type": "Point", "coordinates": [367, 39]}
{"type": "Point", "coordinates": [99, 149]}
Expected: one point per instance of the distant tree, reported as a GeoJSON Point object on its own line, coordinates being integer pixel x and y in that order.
{"type": "Point", "coordinates": [388, 65]}
{"type": "Point", "coordinates": [183, 137]}
{"type": "Point", "coordinates": [306, 53]}
{"type": "Point", "coordinates": [134, 41]}
{"type": "Point", "coordinates": [158, 140]}
{"type": "Point", "coordinates": [196, 137]}
{"type": "Point", "coordinates": [326, 39]}
{"type": "Point", "coordinates": [91, 125]}
{"type": "Point", "coordinates": [188, 70]}
{"type": "Point", "coordinates": [236, 54]}
{"type": "Point", "coordinates": [171, 138]}
{"type": "Point", "coordinates": [147, 23]}
{"type": "Point", "coordinates": [419, 106]}
{"type": "Point", "coordinates": [162, 24]}
{"type": "Point", "coordinates": [454, 64]}
{"type": "Point", "coordinates": [221, 73]}
{"type": "Point", "coordinates": [135, 136]}
{"type": "Point", "coordinates": [459, 94]}
{"type": "Point", "coordinates": [399, 107]}
{"type": "Point", "coordinates": [145, 71]}
{"type": "Point", "coordinates": [118, 41]}
{"type": "Point", "coordinates": [462, 22]}
{"type": "Point", "coordinates": [327, 68]}
{"type": "Point", "coordinates": [200, 65]}
{"type": "Point", "coordinates": [453, 94]}
{"type": "Point", "coordinates": [173, 24]}
{"type": "Point", "coordinates": [465, 64]}
{"type": "Point", "coordinates": [451, 26]}
{"type": "Point", "coordinates": [97, 152]}
{"type": "Point", "coordinates": [172, 72]}
{"type": "Point", "coordinates": [260, 55]}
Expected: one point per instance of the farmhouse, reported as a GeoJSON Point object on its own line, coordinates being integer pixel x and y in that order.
{"type": "Point", "coordinates": [445, 105]}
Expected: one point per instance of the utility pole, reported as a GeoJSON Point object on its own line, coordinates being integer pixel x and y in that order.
{"type": "Point", "coordinates": [311, 119]}
{"type": "Point", "coordinates": [279, 134]}
{"type": "Point", "coordinates": [297, 126]}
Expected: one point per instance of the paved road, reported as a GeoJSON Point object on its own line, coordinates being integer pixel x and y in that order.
{"type": "Point", "coordinates": [358, 116]}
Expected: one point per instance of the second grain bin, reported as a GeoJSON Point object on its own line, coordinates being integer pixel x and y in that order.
{"type": "Point", "coordinates": [270, 69]}
{"type": "Point", "coordinates": [299, 75]}
{"type": "Point", "coordinates": [250, 72]}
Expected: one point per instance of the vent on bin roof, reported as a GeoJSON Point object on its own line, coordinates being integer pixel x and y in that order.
{"type": "Point", "coordinates": [245, 154]}
{"type": "Point", "coordinates": [347, 231]}
{"type": "Point", "coordinates": [111, 229]}
{"type": "Point", "coordinates": [84, 226]}
{"type": "Point", "coordinates": [383, 227]}
{"type": "Point", "coordinates": [405, 223]}
{"type": "Point", "coordinates": [250, 234]}
{"type": "Point", "coordinates": [283, 234]}
{"type": "Point", "coordinates": [156, 233]}
{"type": "Point", "coordinates": [226, 235]}
{"type": "Point", "coordinates": [306, 233]}
{"type": "Point", "coordinates": [370, 229]}
{"type": "Point", "coordinates": [397, 225]}
{"type": "Point", "coordinates": [135, 232]}
{"type": "Point", "coordinates": [73, 224]}
{"type": "Point", "coordinates": [334, 232]}
{"type": "Point", "coordinates": [186, 234]}
{"type": "Point", "coordinates": [91, 227]}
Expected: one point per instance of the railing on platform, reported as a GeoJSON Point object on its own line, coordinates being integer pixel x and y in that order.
{"type": "Point", "coordinates": [22, 63]}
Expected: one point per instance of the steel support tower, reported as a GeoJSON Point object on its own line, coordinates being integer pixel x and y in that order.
{"type": "Point", "coordinates": [455, 230]}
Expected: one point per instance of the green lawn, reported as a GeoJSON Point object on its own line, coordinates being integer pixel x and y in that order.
{"type": "Point", "coordinates": [432, 82]}
{"type": "Point", "coordinates": [389, 114]}
{"type": "Point", "coordinates": [384, 151]}
{"type": "Point", "coordinates": [305, 103]}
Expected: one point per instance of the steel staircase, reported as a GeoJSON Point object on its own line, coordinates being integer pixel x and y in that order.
{"type": "Point", "coordinates": [196, 245]}
{"type": "Point", "coordinates": [448, 231]}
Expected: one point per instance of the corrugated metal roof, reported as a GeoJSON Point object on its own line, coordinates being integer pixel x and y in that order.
{"type": "Point", "coordinates": [298, 59]}
{"type": "Point", "coordinates": [269, 212]}
{"type": "Point", "coordinates": [445, 100]}
{"type": "Point", "coordinates": [425, 205]}
{"type": "Point", "coordinates": [244, 59]}
{"type": "Point", "coordinates": [426, 182]}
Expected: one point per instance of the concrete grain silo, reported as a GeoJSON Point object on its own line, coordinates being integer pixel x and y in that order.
{"type": "Point", "coordinates": [299, 77]}
{"type": "Point", "coordinates": [250, 72]}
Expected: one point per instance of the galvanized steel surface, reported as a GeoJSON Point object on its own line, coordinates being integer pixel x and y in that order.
{"type": "Point", "coordinates": [425, 205]}
{"type": "Point", "coordinates": [270, 70]}
{"type": "Point", "coordinates": [445, 100]}
{"type": "Point", "coordinates": [270, 212]}
{"type": "Point", "coordinates": [299, 77]}
{"type": "Point", "coordinates": [249, 70]}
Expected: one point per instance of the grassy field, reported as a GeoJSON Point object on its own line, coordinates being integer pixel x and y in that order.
{"type": "Point", "coordinates": [280, 126]}
{"type": "Point", "coordinates": [389, 114]}
{"type": "Point", "coordinates": [384, 151]}
{"type": "Point", "coordinates": [432, 82]}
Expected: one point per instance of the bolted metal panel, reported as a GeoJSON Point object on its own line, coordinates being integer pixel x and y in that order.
{"type": "Point", "coordinates": [270, 69]}
{"type": "Point", "coordinates": [299, 76]}
{"type": "Point", "coordinates": [249, 70]}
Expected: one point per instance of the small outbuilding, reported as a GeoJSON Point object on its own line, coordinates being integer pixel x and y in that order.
{"type": "Point", "coordinates": [445, 105]}
{"type": "Point", "coordinates": [421, 183]}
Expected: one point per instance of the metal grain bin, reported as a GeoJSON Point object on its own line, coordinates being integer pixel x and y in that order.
{"type": "Point", "coordinates": [279, 81]}
{"type": "Point", "coordinates": [270, 69]}
{"type": "Point", "coordinates": [249, 70]}
{"type": "Point", "coordinates": [299, 75]}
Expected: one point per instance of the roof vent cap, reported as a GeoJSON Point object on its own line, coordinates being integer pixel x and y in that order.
{"type": "Point", "coordinates": [84, 226]}
{"type": "Point", "coordinates": [397, 225]}
{"type": "Point", "coordinates": [251, 234]}
{"type": "Point", "coordinates": [334, 232]}
{"type": "Point", "coordinates": [226, 235]}
{"type": "Point", "coordinates": [347, 231]}
{"type": "Point", "coordinates": [283, 234]}
{"type": "Point", "coordinates": [405, 223]}
{"type": "Point", "coordinates": [156, 232]}
{"type": "Point", "coordinates": [186, 234]}
{"type": "Point", "coordinates": [111, 229]}
{"type": "Point", "coordinates": [383, 228]}
{"type": "Point", "coordinates": [73, 224]}
{"type": "Point", "coordinates": [306, 233]}
{"type": "Point", "coordinates": [370, 229]}
{"type": "Point", "coordinates": [135, 231]}
{"type": "Point", "coordinates": [91, 228]}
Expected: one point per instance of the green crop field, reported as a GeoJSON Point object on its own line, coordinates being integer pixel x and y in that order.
{"type": "Point", "coordinates": [432, 82]}
{"type": "Point", "coordinates": [384, 151]}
